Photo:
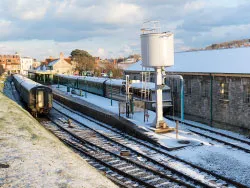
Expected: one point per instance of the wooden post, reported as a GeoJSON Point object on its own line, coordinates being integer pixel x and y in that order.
{"type": "Point", "coordinates": [176, 129]}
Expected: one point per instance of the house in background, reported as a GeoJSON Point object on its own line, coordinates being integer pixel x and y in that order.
{"type": "Point", "coordinates": [26, 65]}
{"type": "Point", "coordinates": [126, 63]}
{"type": "Point", "coordinates": [10, 63]}
{"type": "Point", "coordinates": [60, 66]}
{"type": "Point", "coordinates": [36, 64]}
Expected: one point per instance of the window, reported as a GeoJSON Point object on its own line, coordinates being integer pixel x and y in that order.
{"type": "Point", "coordinates": [246, 94]}
{"type": "Point", "coordinates": [204, 89]}
{"type": "Point", "coordinates": [187, 87]}
{"type": "Point", "coordinates": [224, 90]}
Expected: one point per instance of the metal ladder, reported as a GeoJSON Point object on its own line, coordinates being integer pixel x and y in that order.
{"type": "Point", "coordinates": [145, 82]}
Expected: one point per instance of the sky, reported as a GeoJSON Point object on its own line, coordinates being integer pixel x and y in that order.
{"type": "Point", "coordinates": [111, 28]}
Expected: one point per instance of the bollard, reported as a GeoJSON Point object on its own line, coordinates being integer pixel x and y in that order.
{"type": "Point", "coordinates": [70, 123]}
{"type": "Point", "coordinates": [176, 129]}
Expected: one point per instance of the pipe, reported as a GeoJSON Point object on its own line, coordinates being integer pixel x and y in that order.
{"type": "Point", "coordinates": [211, 99]}
{"type": "Point", "coordinates": [182, 99]}
{"type": "Point", "coordinates": [181, 94]}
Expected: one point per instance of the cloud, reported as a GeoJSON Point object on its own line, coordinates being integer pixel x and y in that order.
{"type": "Point", "coordinates": [26, 9]}
{"type": "Point", "coordinates": [109, 12]}
{"type": "Point", "coordinates": [40, 27]}
{"type": "Point", "coordinates": [101, 53]}
{"type": "Point", "coordinates": [194, 5]}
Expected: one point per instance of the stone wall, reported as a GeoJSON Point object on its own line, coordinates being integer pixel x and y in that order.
{"type": "Point", "coordinates": [231, 114]}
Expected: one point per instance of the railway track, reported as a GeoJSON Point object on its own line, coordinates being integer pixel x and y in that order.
{"type": "Point", "coordinates": [150, 152]}
{"type": "Point", "coordinates": [163, 175]}
{"type": "Point", "coordinates": [106, 155]}
{"type": "Point", "coordinates": [224, 139]}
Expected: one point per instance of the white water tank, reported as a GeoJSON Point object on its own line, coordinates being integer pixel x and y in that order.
{"type": "Point", "coordinates": [157, 49]}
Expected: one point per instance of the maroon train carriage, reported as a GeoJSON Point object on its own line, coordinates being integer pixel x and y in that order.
{"type": "Point", "coordinates": [37, 97]}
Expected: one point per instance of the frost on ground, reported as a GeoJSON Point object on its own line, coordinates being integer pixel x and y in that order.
{"type": "Point", "coordinates": [228, 162]}
{"type": "Point", "coordinates": [32, 157]}
{"type": "Point", "coordinates": [211, 155]}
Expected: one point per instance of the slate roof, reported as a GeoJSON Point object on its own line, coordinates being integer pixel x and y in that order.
{"type": "Point", "coordinates": [52, 63]}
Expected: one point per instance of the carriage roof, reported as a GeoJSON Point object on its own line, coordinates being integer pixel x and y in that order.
{"type": "Point", "coordinates": [27, 83]}
{"type": "Point", "coordinates": [116, 82]}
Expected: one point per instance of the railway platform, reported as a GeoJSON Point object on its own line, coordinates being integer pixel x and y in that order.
{"type": "Point", "coordinates": [30, 156]}
{"type": "Point", "coordinates": [99, 108]}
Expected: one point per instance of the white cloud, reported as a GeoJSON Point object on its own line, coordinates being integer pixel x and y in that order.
{"type": "Point", "coordinates": [101, 53]}
{"type": "Point", "coordinates": [5, 26]}
{"type": "Point", "coordinates": [194, 5]}
{"type": "Point", "coordinates": [111, 28]}
{"type": "Point", "coordinates": [224, 33]}
{"type": "Point", "coordinates": [27, 9]}
{"type": "Point", "coordinates": [109, 12]}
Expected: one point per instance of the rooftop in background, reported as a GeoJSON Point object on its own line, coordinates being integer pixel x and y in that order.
{"type": "Point", "coordinates": [234, 60]}
{"type": "Point", "coordinates": [50, 59]}
{"type": "Point", "coordinates": [53, 62]}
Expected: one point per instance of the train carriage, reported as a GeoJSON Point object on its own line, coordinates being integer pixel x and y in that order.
{"type": "Point", "coordinates": [104, 87]}
{"type": "Point", "coordinates": [92, 84]}
{"type": "Point", "coordinates": [37, 97]}
{"type": "Point", "coordinates": [117, 87]}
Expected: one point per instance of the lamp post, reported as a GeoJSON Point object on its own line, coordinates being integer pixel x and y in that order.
{"type": "Point", "coordinates": [85, 83]}
{"type": "Point", "coordinates": [57, 81]}
{"type": "Point", "coordinates": [110, 76]}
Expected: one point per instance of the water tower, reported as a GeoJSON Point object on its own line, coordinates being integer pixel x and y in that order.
{"type": "Point", "coordinates": [157, 50]}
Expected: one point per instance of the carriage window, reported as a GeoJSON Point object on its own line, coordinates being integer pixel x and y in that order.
{"type": "Point", "coordinates": [40, 99]}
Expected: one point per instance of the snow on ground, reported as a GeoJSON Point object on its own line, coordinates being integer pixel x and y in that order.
{"type": "Point", "coordinates": [220, 159]}
{"type": "Point", "coordinates": [30, 156]}
{"type": "Point", "coordinates": [236, 135]}
{"type": "Point", "coordinates": [209, 154]}
{"type": "Point", "coordinates": [168, 140]}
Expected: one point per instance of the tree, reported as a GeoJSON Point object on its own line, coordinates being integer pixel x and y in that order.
{"type": "Point", "coordinates": [84, 61]}
{"type": "Point", "coordinates": [1, 69]}
{"type": "Point", "coordinates": [135, 56]}
{"type": "Point", "coordinates": [117, 73]}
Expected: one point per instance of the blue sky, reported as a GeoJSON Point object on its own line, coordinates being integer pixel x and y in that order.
{"type": "Point", "coordinates": [111, 28]}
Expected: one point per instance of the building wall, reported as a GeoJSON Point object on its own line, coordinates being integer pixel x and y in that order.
{"type": "Point", "coordinates": [63, 67]}
{"type": "Point", "coordinates": [231, 113]}
{"type": "Point", "coordinates": [26, 64]}
{"type": "Point", "coordinates": [207, 105]}
{"type": "Point", "coordinates": [11, 63]}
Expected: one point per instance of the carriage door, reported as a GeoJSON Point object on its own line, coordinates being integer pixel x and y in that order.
{"type": "Point", "coordinates": [40, 98]}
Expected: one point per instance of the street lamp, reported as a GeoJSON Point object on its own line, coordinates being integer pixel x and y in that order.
{"type": "Point", "coordinates": [57, 81]}
{"type": "Point", "coordinates": [110, 76]}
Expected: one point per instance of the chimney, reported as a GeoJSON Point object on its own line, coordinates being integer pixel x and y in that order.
{"type": "Point", "coordinates": [61, 55]}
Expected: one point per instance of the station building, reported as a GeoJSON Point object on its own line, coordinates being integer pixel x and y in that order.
{"type": "Point", "coordinates": [44, 73]}
{"type": "Point", "coordinates": [216, 86]}
{"type": "Point", "coordinates": [60, 65]}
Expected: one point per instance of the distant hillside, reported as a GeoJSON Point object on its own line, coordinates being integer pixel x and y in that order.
{"type": "Point", "coordinates": [225, 45]}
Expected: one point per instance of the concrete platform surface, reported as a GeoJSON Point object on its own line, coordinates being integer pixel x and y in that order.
{"type": "Point", "coordinates": [30, 156]}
